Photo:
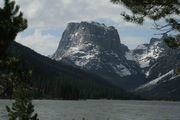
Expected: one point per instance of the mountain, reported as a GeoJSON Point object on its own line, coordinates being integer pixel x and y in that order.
{"type": "Point", "coordinates": [159, 63]}
{"type": "Point", "coordinates": [56, 80]}
{"type": "Point", "coordinates": [96, 48]}
{"type": "Point", "coordinates": [149, 70]}
{"type": "Point", "coordinates": [147, 55]}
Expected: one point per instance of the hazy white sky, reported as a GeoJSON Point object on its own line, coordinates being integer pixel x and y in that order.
{"type": "Point", "coordinates": [48, 18]}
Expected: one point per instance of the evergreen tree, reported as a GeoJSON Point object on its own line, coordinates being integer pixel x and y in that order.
{"type": "Point", "coordinates": [173, 42]}
{"type": "Point", "coordinates": [167, 10]}
{"type": "Point", "coordinates": [22, 108]}
{"type": "Point", "coordinates": [153, 9]}
{"type": "Point", "coordinates": [7, 65]}
{"type": "Point", "coordinates": [11, 23]}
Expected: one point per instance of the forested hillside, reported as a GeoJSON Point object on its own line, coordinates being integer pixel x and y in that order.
{"type": "Point", "coordinates": [54, 80]}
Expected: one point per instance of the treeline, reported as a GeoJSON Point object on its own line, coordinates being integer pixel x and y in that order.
{"type": "Point", "coordinates": [68, 88]}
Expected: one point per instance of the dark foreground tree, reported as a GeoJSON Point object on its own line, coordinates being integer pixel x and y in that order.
{"type": "Point", "coordinates": [167, 10]}
{"type": "Point", "coordinates": [11, 23]}
{"type": "Point", "coordinates": [22, 108]}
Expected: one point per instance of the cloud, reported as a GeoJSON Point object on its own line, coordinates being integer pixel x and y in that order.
{"type": "Point", "coordinates": [45, 13]}
{"type": "Point", "coordinates": [52, 16]}
{"type": "Point", "coordinates": [45, 44]}
{"type": "Point", "coordinates": [60, 12]}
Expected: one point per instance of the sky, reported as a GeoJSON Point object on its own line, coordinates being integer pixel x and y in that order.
{"type": "Point", "coordinates": [48, 19]}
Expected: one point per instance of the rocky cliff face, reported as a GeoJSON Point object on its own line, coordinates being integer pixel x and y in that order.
{"type": "Point", "coordinates": [97, 48]}
{"type": "Point", "coordinates": [88, 39]}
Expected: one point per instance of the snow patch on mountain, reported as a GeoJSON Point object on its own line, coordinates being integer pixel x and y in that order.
{"type": "Point", "coordinates": [121, 70]}
{"type": "Point", "coordinates": [140, 59]}
{"type": "Point", "coordinates": [79, 49]}
{"type": "Point", "coordinates": [147, 73]}
{"type": "Point", "coordinates": [174, 77]}
{"type": "Point", "coordinates": [144, 54]}
{"type": "Point", "coordinates": [154, 82]}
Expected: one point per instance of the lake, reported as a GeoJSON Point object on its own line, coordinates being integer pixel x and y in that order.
{"type": "Point", "coordinates": [102, 110]}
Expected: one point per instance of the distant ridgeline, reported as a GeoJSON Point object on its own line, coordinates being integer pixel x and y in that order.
{"type": "Point", "coordinates": [92, 63]}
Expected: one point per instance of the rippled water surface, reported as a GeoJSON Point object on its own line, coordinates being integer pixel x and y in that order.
{"type": "Point", "coordinates": [102, 110]}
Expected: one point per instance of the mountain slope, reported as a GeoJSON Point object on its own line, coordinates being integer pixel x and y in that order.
{"type": "Point", "coordinates": [51, 79]}
{"type": "Point", "coordinates": [159, 63]}
{"type": "Point", "coordinates": [96, 48]}
{"type": "Point", "coordinates": [165, 87]}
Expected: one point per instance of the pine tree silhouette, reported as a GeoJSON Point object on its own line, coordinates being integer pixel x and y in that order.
{"type": "Point", "coordinates": [11, 23]}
